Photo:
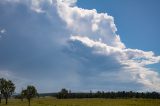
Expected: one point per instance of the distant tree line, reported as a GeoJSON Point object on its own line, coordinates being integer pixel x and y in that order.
{"type": "Point", "coordinates": [7, 88]}
{"type": "Point", "coordinates": [65, 94]}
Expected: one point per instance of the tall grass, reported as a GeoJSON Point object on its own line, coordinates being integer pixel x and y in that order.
{"type": "Point", "coordinates": [49, 101]}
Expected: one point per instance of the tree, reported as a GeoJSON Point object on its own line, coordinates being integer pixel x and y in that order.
{"type": "Point", "coordinates": [7, 88]}
{"type": "Point", "coordinates": [63, 94]}
{"type": "Point", "coordinates": [1, 89]}
{"type": "Point", "coordinates": [30, 93]}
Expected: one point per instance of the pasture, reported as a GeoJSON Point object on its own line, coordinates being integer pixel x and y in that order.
{"type": "Point", "coordinates": [49, 101]}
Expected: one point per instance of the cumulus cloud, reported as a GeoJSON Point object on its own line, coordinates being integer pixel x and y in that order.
{"type": "Point", "coordinates": [89, 23]}
{"type": "Point", "coordinates": [97, 33]}
{"type": "Point", "coordinates": [130, 62]}
{"type": "Point", "coordinates": [63, 40]}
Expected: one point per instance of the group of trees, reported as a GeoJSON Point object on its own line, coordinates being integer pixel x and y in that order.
{"type": "Point", "coordinates": [64, 94]}
{"type": "Point", "coordinates": [7, 88]}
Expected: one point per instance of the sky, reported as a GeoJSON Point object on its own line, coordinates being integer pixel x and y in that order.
{"type": "Point", "coordinates": [134, 19]}
{"type": "Point", "coordinates": [81, 45]}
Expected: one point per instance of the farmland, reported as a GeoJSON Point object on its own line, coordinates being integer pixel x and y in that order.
{"type": "Point", "coordinates": [50, 101]}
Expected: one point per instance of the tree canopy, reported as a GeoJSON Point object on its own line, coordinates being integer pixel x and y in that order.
{"type": "Point", "coordinates": [7, 88]}
{"type": "Point", "coordinates": [30, 92]}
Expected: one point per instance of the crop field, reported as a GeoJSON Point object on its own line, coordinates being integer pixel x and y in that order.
{"type": "Point", "coordinates": [49, 101]}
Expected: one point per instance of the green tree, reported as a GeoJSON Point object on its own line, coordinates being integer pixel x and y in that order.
{"type": "Point", "coordinates": [30, 93]}
{"type": "Point", "coordinates": [1, 89]}
{"type": "Point", "coordinates": [7, 88]}
{"type": "Point", "coordinates": [63, 94]}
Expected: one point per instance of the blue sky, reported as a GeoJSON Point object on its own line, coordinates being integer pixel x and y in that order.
{"type": "Point", "coordinates": [80, 45]}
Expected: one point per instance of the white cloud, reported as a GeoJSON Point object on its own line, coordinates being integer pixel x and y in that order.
{"type": "Point", "coordinates": [2, 31]}
{"type": "Point", "coordinates": [133, 61]}
{"type": "Point", "coordinates": [67, 2]}
{"type": "Point", "coordinates": [5, 74]}
{"type": "Point", "coordinates": [89, 23]}
{"type": "Point", "coordinates": [35, 5]}
{"type": "Point", "coordinates": [76, 42]}
{"type": "Point", "coordinates": [138, 56]}
{"type": "Point", "coordinates": [92, 26]}
{"type": "Point", "coordinates": [40, 5]}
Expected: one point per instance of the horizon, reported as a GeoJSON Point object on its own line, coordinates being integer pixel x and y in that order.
{"type": "Point", "coordinates": [81, 45]}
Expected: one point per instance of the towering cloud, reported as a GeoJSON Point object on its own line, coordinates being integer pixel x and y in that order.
{"type": "Point", "coordinates": [79, 45]}
{"type": "Point", "coordinates": [90, 23]}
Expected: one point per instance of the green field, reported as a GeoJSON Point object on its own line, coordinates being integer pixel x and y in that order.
{"type": "Point", "coordinates": [48, 101]}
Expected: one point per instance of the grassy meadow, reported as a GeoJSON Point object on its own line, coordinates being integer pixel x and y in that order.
{"type": "Point", "coordinates": [49, 101]}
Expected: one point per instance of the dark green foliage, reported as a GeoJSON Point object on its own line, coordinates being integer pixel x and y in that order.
{"type": "Point", "coordinates": [63, 94]}
{"type": "Point", "coordinates": [29, 93]}
{"type": "Point", "coordinates": [7, 88]}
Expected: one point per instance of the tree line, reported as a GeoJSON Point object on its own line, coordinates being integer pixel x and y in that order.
{"type": "Point", "coordinates": [7, 88]}
{"type": "Point", "coordinates": [65, 94]}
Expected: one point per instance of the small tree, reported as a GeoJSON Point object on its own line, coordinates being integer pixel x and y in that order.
{"type": "Point", "coordinates": [7, 88]}
{"type": "Point", "coordinates": [30, 93]}
{"type": "Point", "coordinates": [63, 94]}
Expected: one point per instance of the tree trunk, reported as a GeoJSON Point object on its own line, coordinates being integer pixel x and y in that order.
{"type": "Point", "coordinates": [6, 101]}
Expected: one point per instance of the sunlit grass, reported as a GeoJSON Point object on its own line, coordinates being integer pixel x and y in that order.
{"type": "Point", "coordinates": [49, 101]}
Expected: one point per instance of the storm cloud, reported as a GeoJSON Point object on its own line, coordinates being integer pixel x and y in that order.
{"type": "Point", "coordinates": [55, 44]}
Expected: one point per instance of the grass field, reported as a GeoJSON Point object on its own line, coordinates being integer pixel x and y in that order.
{"type": "Point", "coordinates": [48, 101]}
